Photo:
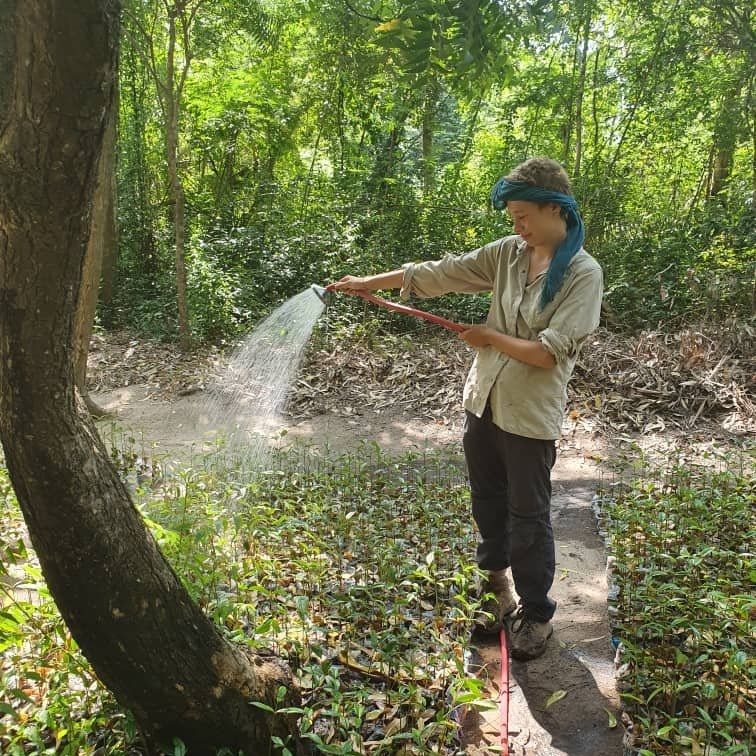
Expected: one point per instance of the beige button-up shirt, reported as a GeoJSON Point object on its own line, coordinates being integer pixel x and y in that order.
{"type": "Point", "coordinates": [525, 400]}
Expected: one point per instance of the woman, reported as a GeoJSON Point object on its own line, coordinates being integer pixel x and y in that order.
{"type": "Point", "coordinates": [546, 300]}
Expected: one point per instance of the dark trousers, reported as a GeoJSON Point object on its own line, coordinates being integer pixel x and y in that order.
{"type": "Point", "coordinates": [510, 483]}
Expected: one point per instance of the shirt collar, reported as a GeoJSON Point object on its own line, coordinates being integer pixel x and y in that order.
{"type": "Point", "coordinates": [521, 245]}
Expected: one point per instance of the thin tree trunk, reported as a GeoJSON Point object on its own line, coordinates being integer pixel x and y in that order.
{"type": "Point", "coordinates": [580, 92]}
{"type": "Point", "coordinates": [139, 194]}
{"type": "Point", "coordinates": [638, 97]}
{"type": "Point", "coordinates": [177, 189]}
{"type": "Point", "coordinates": [111, 238]}
{"type": "Point", "coordinates": [752, 110]}
{"type": "Point", "coordinates": [462, 159]}
{"type": "Point", "coordinates": [125, 606]}
{"type": "Point", "coordinates": [110, 247]}
{"type": "Point", "coordinates": [725, 138]}
{"type": "Point", "coordinates": [383, 167]}
{"type": "Point", "coordinates": [101, 239]}
{"type": "Point", "coordinates": [567, 125]}
{"type": "Point", "coordinates": [429, 118]}
{"type": "Point", "coordinates": [597, 143]}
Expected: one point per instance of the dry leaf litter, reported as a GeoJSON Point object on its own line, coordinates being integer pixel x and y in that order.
{"type": "Point", "coordinates": [648, 382]}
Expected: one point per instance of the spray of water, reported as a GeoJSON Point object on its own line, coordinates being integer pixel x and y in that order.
{"type": "Point", "coordinates": [244, 402]}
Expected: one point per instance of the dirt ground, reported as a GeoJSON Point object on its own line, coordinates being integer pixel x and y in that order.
{"type": "Point", "coordinates": [579, 660]}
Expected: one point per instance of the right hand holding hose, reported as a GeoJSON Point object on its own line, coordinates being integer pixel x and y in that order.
{"type": "Point", "coordinates": [351, 284]}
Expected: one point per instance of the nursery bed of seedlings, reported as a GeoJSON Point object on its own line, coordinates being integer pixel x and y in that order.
{"type": "Point", "coordinates": [356, 570]}
{"type": "Point", "coordinates": [683, 606]}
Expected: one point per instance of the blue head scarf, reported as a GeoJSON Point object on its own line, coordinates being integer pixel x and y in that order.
{"type": "Point", "coordinates": [504, 191]}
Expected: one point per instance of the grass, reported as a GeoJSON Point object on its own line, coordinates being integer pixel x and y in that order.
{"type": "Point", "coordinates": [356, 570]}
{"type": "Point", "coordinates": [681, 540]}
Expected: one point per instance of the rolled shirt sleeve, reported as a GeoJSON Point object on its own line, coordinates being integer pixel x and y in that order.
{"type": "Point", "coordinates": [576, 317]}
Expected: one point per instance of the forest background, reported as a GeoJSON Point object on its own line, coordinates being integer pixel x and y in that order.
{"type": "Point", "coordinates": [265, 146]}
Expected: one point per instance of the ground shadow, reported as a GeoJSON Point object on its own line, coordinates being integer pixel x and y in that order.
{"type": "Point", "coordinates": [575, 725]}
{"type": "Point", "coordinates": [537, 681]}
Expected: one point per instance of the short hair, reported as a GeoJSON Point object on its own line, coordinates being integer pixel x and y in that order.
{"type": "Point", "coordinates": [543, 172]}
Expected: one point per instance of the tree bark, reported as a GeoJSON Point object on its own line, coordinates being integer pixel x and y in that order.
{"type": "Point", "coordinates": [173, 104]}
{"type": "Point", "coordinates": [566, 126]}
{"type": "Point", "coordinates": [430, 103]}
{"type": "Point", "coordinates": [101, 239]}
{"type": "Point", "coordinates": [125, 606]}
{"type": "Point", "coordinates": [110, 240]}
{"type": "Point", "coordinates": [386, 153]}
{"type": "Point", "coordinates": [752, 110]}
{"type": "Point", "coordinates": [726, 138]}
{"type": "Point", "coordinates": [581, 92]}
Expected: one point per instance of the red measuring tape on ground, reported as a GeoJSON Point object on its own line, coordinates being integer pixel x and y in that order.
{"type": "Point", "coordinates": [504, 693]}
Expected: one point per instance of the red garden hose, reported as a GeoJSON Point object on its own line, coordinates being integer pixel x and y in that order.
{"type": "Point", "coordinates": [504, 693]}
{"type": "Point", "coordinates": [405, 310]}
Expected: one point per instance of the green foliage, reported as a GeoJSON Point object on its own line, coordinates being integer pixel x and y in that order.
{"type": "Point", "coordinates": [357, 570]}
{"type": "Point", "coordinates": [50, 700]}
{"type": "Point", "coordinates": [683, 568]}
{"type": "Point", "coordinates": [320, 139]}
{"type": "Point", "coordinates": [354, 569]}
{"type": "Point", "coordinates": [698, 267]}
{"type": "Point", "coordinates": [460, 39]}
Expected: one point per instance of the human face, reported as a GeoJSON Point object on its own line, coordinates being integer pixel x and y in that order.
{"type": "Point", "coordinates": [538, 225]}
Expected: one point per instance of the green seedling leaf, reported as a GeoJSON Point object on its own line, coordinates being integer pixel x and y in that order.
{"type": "Point", "coordinates": [612, 723]}
{"type": "Point", "coordinates": [263, 706]}
{"type": "Point", "coordinates": [557, 695]}
{"type": "Point", "coordinates": [730, 710]}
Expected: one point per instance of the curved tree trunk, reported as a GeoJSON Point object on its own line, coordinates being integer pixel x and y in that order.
{"type": "Point", "coordinates": [125, 606]}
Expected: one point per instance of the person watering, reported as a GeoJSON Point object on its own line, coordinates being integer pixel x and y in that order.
{"type": "Point", "coordinates": [546, 300]}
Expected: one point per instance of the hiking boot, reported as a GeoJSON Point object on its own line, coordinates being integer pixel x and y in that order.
{"type": "Point", "coordinates": [496, 607]}
{"type": "Point", "coordinates": [528, 638]}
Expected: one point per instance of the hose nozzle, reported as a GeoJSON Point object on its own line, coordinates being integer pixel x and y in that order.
{"type": "Point", "coordinates": [320, 292]}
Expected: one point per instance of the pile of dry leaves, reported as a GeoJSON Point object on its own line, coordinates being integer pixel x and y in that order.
{"type": "Point", "coordinates": [121, 358]}
{"type": "Point", "coordinates": [655, 380]}
{"type": "Point", "coordinates": [647, 382]}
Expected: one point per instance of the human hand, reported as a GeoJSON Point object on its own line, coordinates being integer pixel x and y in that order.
{"type": "Point", "coordinates": [351, 284]}
{"type": "Point", "coordinates": [477, 336]}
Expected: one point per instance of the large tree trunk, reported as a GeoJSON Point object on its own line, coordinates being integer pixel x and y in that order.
{"type": "Point", "coordinates": [125, 606]}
